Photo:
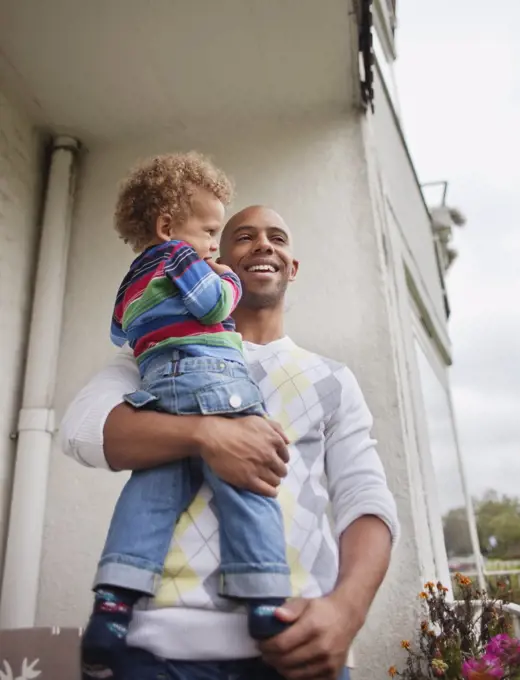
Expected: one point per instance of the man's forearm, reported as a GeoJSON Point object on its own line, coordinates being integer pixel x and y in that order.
{"type": "Point", "coordinates": [133, 440]}
{"type": "Point", "coordinates": [365, 548]}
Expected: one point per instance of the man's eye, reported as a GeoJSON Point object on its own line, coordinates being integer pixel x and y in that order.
{"type": "Point", "coordinates": [244, 237]}
{"type": "Point", "coordinates": [278, 239]}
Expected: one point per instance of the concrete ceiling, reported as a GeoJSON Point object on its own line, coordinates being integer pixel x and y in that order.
{"type": "Point", "coordinates": [105, 68]}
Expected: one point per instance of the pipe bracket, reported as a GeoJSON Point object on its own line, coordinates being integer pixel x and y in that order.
{"type": "Point", "coordinates": [36, 419]}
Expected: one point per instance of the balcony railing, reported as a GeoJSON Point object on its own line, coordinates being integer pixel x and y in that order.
{"type": "Point", "coordinates": [514, 611]}
{"type": "Point", "coordinates": [511, 579]}
{"type": "Point", "coordinates": [508, 607]}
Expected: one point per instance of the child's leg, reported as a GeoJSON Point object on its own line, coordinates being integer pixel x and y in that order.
{"type": "Point", "coordinates": [253, 561]}
{"type": "Point", "coordinates": [136, 546]}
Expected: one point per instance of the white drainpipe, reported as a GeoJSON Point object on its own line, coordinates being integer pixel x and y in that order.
{"type": "Point", "coordinates": [19, 597]}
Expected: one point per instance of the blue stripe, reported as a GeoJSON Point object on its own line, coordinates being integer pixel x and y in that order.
{"type": "Point", "coordinates": [199, 285]}
{"type": "Point", "coordinates": [171, 309]}
{"type": "Point", "coordinates": [117, 334]}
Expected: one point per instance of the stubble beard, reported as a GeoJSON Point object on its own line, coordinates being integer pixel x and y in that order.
{"type": "Point", "coordinates": [267, 300]}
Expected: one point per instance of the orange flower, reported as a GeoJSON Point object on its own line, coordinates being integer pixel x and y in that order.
{"type": "Point", "coordinates": [424, 626]}
{"type": "Point", "coordinates": [392, 671]}
{"type": "Point", "coordinates": [423, 595]}
{"type": "Point", "coordinates": [405, 644]}
{"type": "Point", "coordinates": [429, 586]}
{"type": "Point", "coordinates": [463, 580]}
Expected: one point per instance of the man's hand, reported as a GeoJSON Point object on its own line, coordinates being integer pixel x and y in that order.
{"type": "Point", "coordinates": [218, 268]}
{"type": "Point", "coordinates": [248, 452]}
{"type": "Point", "coordinates": [316, 645]}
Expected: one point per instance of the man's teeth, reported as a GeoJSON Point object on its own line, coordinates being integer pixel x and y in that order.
{"type": "Point", "coordinates": [261, 268]}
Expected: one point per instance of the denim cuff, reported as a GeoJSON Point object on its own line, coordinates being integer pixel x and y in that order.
{"type": "Point", "coordinates": [251, 585]}
{"type": "Point", "coordinates": [130, 576]}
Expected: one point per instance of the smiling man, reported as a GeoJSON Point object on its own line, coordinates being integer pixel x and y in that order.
{"type": "Point", "coordinates": [187, 632]}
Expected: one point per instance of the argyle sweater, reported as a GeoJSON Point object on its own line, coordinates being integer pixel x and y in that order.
{"type": "Point", "coordinates": [333, 464]}
{"type": "Point", "coordinates": [170, 297]}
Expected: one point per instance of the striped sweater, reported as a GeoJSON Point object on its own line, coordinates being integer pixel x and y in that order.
{"type": "Point", "coordinates": [172, 298]}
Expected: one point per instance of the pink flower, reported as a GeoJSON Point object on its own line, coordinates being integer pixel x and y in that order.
{"type": "Point", "coordinates": [487, 668]}
{"type": "Point", "coordinates": [504, 648]}
{"type": "Point", "coordinates": [500, 644]}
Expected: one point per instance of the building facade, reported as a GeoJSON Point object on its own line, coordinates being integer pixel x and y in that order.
{"type": "Point", "coordinates": [279, 94]}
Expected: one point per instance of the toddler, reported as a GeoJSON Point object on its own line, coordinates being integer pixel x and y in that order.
{"type": "Point", "coordinates": [173, 308]}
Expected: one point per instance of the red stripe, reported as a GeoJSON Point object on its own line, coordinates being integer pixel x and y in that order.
{"type": "Point", "coordinates": [137, 288]}
{"type": "Point", "coordinates": [236, 294]}
{"type": "Point", "coordinates": [178, 246]}
{"type": "Point", "coordinates": [174, 330]}
{"type": "Point", "coordinates": [118, 311]}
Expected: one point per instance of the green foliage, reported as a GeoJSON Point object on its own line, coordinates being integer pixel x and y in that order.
{"type": "Point", "coordinates": [498, 519]}
{"type": "Point", "coordinates": [456, 533]}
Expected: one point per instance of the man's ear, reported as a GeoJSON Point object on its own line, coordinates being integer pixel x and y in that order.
{"type": "Point", "coordinates": [294, 269]}
{"type": "Point", "coordinates": [163, 227]}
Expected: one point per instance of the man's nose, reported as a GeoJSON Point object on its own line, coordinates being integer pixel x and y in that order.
{"type": "Point", "coordinates": [263, 245]}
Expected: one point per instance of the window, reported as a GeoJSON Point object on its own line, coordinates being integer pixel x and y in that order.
{"type": "Point", "coordinates": [441, 443]}
{"type": "Point", "coordinates": [385, 24]}
{"type": "Point", "coordinates": [386, 68]}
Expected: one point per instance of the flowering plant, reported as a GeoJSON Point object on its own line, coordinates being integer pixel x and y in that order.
{"type": "Point", "coordinates": [467, 640]}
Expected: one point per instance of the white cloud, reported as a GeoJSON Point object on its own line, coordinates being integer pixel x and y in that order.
{"type": "Point", "coordinates": [459, 83]}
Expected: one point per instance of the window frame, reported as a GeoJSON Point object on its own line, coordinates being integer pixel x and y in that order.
{"type": "Point", "coordinates": [384, 25]}
{"type": "Point", "coordinates": [429, 346]}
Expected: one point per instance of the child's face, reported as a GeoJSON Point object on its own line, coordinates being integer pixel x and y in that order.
{"type": "Point", "coordinates": [202, 228]}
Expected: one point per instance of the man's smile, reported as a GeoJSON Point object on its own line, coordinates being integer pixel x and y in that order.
{"type": "Point", "coordinates": [262, 267]}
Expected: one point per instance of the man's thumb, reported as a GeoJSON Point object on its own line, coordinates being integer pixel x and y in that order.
{"type": "Point", "coordinates": [292, 610]}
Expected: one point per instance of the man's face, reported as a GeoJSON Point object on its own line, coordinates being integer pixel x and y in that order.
{"type": "Point", "coordinates": [257, 245]}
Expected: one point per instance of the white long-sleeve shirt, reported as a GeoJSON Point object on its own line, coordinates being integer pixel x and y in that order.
{"type": "Point", "coordinates": [333, 461]}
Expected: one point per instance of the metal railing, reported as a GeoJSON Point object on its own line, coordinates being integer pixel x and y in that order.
{"type": "Point", "coordinates": [493, 578]}
{"type": "Point", "coordinates": [509, 607]}
{"type": "Point", "coordinates": [514, 611]}
{"type": "Point", "coordinates": [511, 578]}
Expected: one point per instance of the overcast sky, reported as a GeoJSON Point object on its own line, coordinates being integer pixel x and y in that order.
{"type": "Point", "coordinates": [458, 76]}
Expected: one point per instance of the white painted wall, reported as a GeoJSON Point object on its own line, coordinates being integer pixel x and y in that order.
{"type": "Point", "coordinates": [411, 247]}
{"type": "Point", "coordinates": [314, 172]}
{"type": "Point", "coordinates": [410, 213]}
{"type": "Point", "coordinates": [19, 195]}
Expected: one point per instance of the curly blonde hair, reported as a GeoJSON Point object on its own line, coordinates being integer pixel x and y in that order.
{"type": "Point", "coordinates": [164, 185]}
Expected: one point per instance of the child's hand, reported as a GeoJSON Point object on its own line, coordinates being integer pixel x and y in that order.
{"type": "Point", "coordinates": [219, 268]}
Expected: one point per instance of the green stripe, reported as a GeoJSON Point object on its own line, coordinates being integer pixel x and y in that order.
{"type": "Point", "coordinates": [223, 307]}
{"type": "Point", "coordinates": [157, 290]}
{"type": "Point", "coordinates": [223, 339]}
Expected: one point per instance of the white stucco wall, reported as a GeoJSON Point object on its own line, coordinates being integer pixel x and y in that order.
{"type": "Point", "coordinates": [417, 282]}
{"type": "Point", "coordinates": [409, 212]}
{"type": "Point", "coordinates": [314, 172]}
{"type": "Point", "coordinates": [19, 195]}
